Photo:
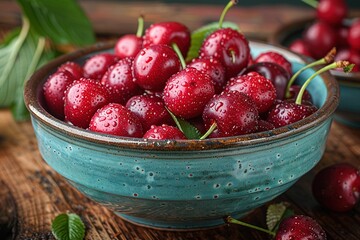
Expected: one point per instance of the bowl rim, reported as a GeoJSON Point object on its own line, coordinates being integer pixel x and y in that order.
{"type": "Point", "coordinates": [282, 32]}
{"type": "Point", "coordinates": [33, 88]}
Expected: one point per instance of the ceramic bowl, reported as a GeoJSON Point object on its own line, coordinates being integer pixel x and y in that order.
{"type": "Point", "coordinates": [348, 111]}
{"type": "Point", "coordinates": [184, 184]}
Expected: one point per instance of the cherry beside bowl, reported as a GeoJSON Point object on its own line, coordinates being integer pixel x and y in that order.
{"type": "Point", "coordinates": [182, 184]}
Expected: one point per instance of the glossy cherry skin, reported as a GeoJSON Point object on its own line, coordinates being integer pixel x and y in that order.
{"type": "Point", "coordinates": [96, 66]}
{"type": "Point", "coordinates": [337, 187]}
{"type": "Point", "coordinates": [257, 87]}
{"type": "Point", "coordinates": [332, 12]}
{"type": "Point", "coordinates": [164, 132]}
{"type": "Point", "coordinates": [115, 119]}
{"type": "Point", "coordinates": [230, 47]}
{"type": "Point", "coordinates": [294, 92]}
{"type": "Point", "coordinates": [74, 68]}
{"type": "Point", "coordinates": [154, 65]}
{"type": "Point", "coordinates": [119, 78]}
{"type": "Point", "coordinates": [300, 227]}
{"type": "Point", "coordinates": [233, 112]}
{"type": "Point", "coordinates": [275, 73]}
{"type": "Point", "coordinates": [150, 109]}
{"type": "Point", "coordinates": [354, 35]}
{"type": "Point", "coordinates": [54, 92]}
{"type": "Point", "coordinates": [288, 112]}
{"type": "Point", "coordinates": [187, 92]}
{"type": "Point", "coordinates": [168, 33]}
{"type": "Point", "coordinates": [128, 45]}
{"type": "Point", "coordinates": [274, 57]}
{"type": "Point", "coordinates": [320, 39]}
{"type": "Point", "coordinates": [213, 68]}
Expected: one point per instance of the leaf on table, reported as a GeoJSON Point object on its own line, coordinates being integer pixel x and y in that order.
{"type": "Point", "coordinates": [64, 22]}
{"type": "Point", "coordinates": [198, 36]}
{"type": "Point", "coordinates": [276, 213]}
{"type": "Point", "coordinates": [68, 226]}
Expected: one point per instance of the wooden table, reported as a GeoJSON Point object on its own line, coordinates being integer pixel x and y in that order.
{"type": "Point", "coordinates": [32, 194]}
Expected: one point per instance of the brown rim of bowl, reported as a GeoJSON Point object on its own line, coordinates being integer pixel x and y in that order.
{"type": "Point", "coordinates": [284, 31]}
{"type": "Point", "coordinates": [33, 89]}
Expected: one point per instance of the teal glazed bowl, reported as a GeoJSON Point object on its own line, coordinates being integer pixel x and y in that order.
{"type": "Point", "coordinates": [183, 184]}
{"type": "Point", "coordinates": [348, 111]}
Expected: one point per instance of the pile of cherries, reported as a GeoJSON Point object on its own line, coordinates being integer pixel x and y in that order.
{"type": "Point", "coordinates": [141, 88]}
{"type": "Point", "coordinates": [331, 28]}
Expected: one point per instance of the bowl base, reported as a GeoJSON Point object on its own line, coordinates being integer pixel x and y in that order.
{"type": "Point", "coordinates": [177, 225]}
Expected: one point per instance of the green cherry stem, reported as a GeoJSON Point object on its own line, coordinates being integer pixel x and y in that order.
{"type": "Point", "coordinates": [345, 65]}
{"type": "Point", "coordinates": [178, 52]}
{"type": "Point", "coordinates": [312, 3]}
{"type": "Point", "coordinates": [233, 220]}
{"type": "Point", "coordinates": [226, 9]}
{"type": "Point", "coordinates": [140, 28]}
{"type": "Point", "coordinates": [329, 58]}
{"type": "Point", "coordinates": [209, 131]}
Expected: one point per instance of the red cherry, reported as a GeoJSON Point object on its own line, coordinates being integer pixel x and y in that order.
{"type": "Point", "coordinates": [82, 98]}
{"type": "Point", "coordinates": [154, 65]}
{"type": "Point", "coordinates": [275, 73]}
{"type": "Point", "coordinates": [116, 119]}
{"type": "Point", "coordinates": [130, 45]}
{"type": "Point", "coordinates": [337, 187]}
{"type": "Point", "coordinates": [354, 35]}
{"type": "Point", "coordinates": [54, 92]}
{"type": "Point", "coordinates": [150, 109]}
{"type": "Point", "coordinates": [164, 132]}
{"type": "Point", "coordinates": [294, 92]}
{"type": "Point", "coordinates": [332, 12]}
{"type": "Point", "coordinates": [320, 39]}
{"type": "Point", "coordinates": [168, 33]}
{"type": "Point", "coordinates": [233, 112]}
{"type": "Point", "coordinates": [287, 112]}
{"type": "Point", "coordinates": [119, 78]}
{"type": "Point", "coordinates": [257, 87]}
{"type": "Point", "coordinates": [230, 47]}
{"type": "Point", "coordinates": [299, 46]}
{"type": "Point", "coordinates": [300, 227]}
{"type": "Point", "coordinates": [213, 68]}
{"type": "Point", "coordinates": [96, 66]}
{"type": "Point", "coordinates": [187, 92]}
{"type": "Point", "coordinates": [74, 68]}
{"type": "Point", "coordinates": [342, 34]}
{"type": "Point", "coordinates": [274, 57]}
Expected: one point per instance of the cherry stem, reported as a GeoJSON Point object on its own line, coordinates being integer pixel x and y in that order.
{"type": "Point", "coordinates": [329, 58]}
{"type": "Point", "coordinates": [178, 52]}
{"type": "Point", "coordinates": [312, 3]}
{"type": "Point", "coordinates": [209, 131]}
{"type": "Point", "coordinates": [226, 9]}
{"type": "Point", "coordinates": [345, 65]}
{"type": "Point", "coordinates": [140, 28]}
{"type": "Point", "coordinates": [233, 56]}
{"type": "Point", "coordinates": [233, 220]}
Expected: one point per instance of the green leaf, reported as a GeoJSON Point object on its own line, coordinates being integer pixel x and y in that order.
{"type": "Point", "coordinates": [64, 22]}
{"type": "Point", "coordinates": [190, 131]}
{"type": "Point", "coordinates": [68, 226]}
{"type": "Point", "coordinates": [198, 36]}
{"type": "Point", "coordinates": [19, 58]}
{"type": "Point", "coordinates": [276, 213]}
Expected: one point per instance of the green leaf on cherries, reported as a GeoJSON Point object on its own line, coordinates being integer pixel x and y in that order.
{"type": "Point", "coordinates": [198, 36]}
{"type": "Point", "coordinates": [64, 22]}
{"type": "Point", "coordinates": [68, 226]}
{"type": "Point", "coordinates": [189, 130]}
{"type": "Point", "coordinates": [276, 213]}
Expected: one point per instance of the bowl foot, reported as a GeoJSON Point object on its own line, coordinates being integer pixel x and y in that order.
{"type": "Point", "coordinates": [176, 225]}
